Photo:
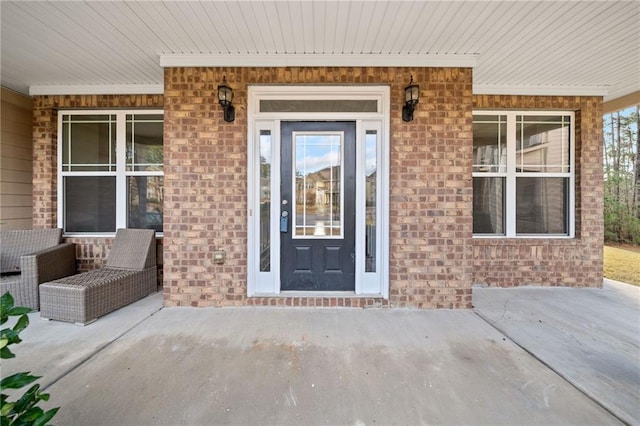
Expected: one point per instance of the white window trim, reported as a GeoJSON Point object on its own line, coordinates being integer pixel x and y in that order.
{"type": "Point", "coordinates": [121, 173]}
{"type": "Point", "coordinates": [511, 175]}
{"type": "Point", "coordinates": [368, 284]}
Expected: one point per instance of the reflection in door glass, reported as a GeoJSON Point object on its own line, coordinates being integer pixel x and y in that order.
{"type": "Point", "coordinates": [265, 200]}
{"type": "Point", "coordinates": [318, 184]}
{"type": "Point", "coordinates": [371, 173]}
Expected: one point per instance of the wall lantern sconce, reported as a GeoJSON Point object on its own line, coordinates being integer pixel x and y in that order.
{"type": "Point", "coordinates": [411, 96]}
{"type": "Point", "coordinates": [225, 97]}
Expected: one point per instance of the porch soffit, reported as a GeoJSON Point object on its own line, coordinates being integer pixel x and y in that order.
{"type": "Point", "coordinates": [560, 47]}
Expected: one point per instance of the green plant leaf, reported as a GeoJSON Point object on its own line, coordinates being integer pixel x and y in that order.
{"type": "Point", "coordinates": [10, 335]}
{"type": "Point", "coordinates": [19, 310]}
{"type": "Point", "coordinates": [22, 323]}
{"type": "Point", "coordinates": [6, 409]}
{"type": "Point", "coordinates": [24, 412]}
{"type": "Point", "coordinates": [26, 405]}
{"type": "Point", "coordinates": [5, 353]}
{"type": "Point", "coordinates": [18, 380]}
{"type": "Point", "coordinates": [29, 416]}
{"type": "Point", "coordinates": [44, 419]}
{"type": "Point", "coordinates": [6, 301]}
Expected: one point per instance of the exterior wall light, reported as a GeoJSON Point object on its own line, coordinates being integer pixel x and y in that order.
{"type": "Point", "coordinates": [411, 96]}
{"type": "Point", "coordinates": [225, 97]}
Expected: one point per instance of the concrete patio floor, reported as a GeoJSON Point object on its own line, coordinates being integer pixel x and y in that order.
{"type": "Point", "coordinates": [145, 365]}
{"type": "Point", "coordinates": [590, 337]}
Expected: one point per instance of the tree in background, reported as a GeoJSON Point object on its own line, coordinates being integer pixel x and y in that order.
{"type": "Point", "coordinates": [622, 176]}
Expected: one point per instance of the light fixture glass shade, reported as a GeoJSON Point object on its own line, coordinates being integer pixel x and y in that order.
{"type": "Point", "coordinates": [411, 96]}
{"type": "Point", "coordinates": [225, 93]}
{"type": "Point", "coordinates": [411, 93]}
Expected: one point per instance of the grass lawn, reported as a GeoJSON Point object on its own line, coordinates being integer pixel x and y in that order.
{"type": "Point", "coordinates": [622, 263]}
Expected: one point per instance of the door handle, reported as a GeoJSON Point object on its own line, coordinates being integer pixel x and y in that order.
{"type": "Point", "coordinates": [284, 221]}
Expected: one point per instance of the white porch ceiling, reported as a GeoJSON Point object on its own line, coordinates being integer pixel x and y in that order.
{"type": "Point", "coordinates": [546, 47]}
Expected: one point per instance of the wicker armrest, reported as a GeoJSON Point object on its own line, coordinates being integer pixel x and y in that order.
{"type": "Point", "coordinates": [49, 264]}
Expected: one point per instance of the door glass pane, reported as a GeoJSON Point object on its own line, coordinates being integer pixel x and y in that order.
{"type": "Point", "coordinates": [317, 184]}
{"type": "Point", "coordinates": [371, 170]}
{"type": "Point", "coordinates": [542, 205]}
{"type": "Point", "coordinates": [144, 202]}
{"type": "Point", "coordinates": [90, 204]}
{"type": "Point", "coordinates": [542, 144]}
{"type": "Point", "coordinates": [265, 200]}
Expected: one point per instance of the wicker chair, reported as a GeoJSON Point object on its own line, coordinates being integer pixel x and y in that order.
{"type": "Point", "coordinates": [31, 257]}
{"type": "Point", "coordinates": [129, 275]}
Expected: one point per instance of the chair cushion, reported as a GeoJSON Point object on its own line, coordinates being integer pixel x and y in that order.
{"type": "Point", "coordinates": [133, 249]}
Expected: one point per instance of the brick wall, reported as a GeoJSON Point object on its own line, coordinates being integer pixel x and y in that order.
{"type": "Point", "coordinates": [553, 262]}
{"type": "Point", "coordinates": [433, 258]}
{"type": "Point", "coordinates": [431, 192]}
{"type": "Point", "coordinates": [430, 188]}
{"type": "Point", "coordinates": [91, 252]}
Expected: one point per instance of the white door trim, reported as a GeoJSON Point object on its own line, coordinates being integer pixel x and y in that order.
{"type": "Point", "coordinates": [267, 283]}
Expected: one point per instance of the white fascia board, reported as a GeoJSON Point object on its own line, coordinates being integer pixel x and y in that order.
{"type": "Point", "coordinates": [96, 89]}
{"type": "Point", "coordinates": [318, 60]}
{"type": "Point", "coordinates": [627, 90]}
{"type": "Point", "coordinates": [539, 90]}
